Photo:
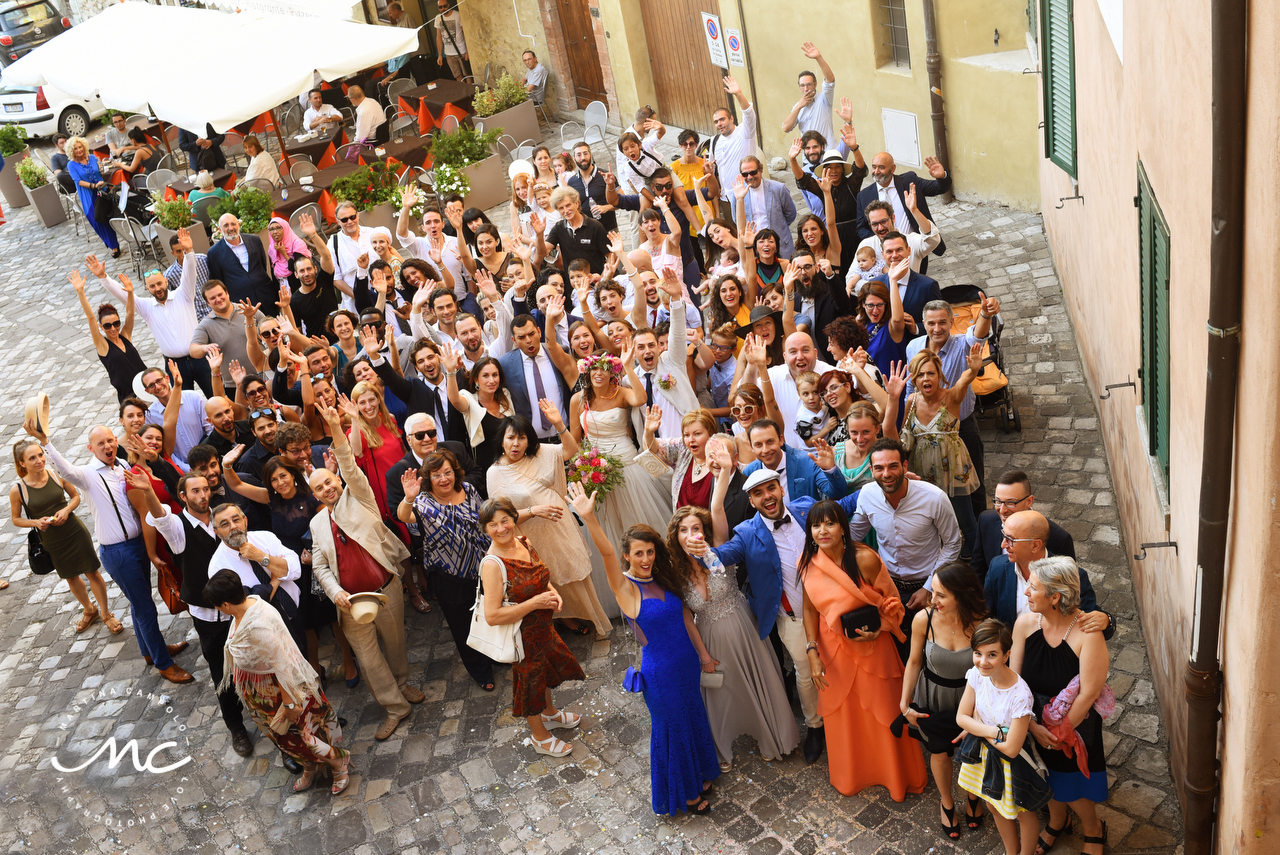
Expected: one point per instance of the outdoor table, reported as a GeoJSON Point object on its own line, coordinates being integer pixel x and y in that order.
{"type": "Point", "coordinates": [411, 151]}
{"type": "Point", "coordinates": [321, 149]}
{"type": "Point", "coordinates": [299, 195]}
{"type": "Point", "coordinates": [433, 101]}
{"type": "Point", "coordinates": [317, 191]}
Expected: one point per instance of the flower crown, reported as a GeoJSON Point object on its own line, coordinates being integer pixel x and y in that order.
{"type": "Point", "coordinates": [587, 364]}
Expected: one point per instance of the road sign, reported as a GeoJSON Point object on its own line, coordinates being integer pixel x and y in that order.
{"type": "Point", "coordinates": [733, 40]}
{"type": "Point", "coordinates": [715, 39]}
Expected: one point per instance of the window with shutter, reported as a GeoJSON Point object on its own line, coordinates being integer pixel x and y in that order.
{"type": "Point", "coordinates": [1153, 265]}
{"type": "Point", "coordinates": [1058, 76]}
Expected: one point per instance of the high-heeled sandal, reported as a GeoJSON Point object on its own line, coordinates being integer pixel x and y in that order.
{"type": "Point", "coordinates": [699, 807]}
{"type": "Point", "coordinates": [305, 781]}
{"type": "Point", "coordinates": [551, 746]}
{"type": "Point", "coordinates": [561, 719]}
{"type": "Point", "coordinates": [341, 778]}
{"type": "Point", "coordinates": [953, 829]}
{"type": "Point", "coordinates": [972, 818]}
{"type": "Point", "coordinates": [1043, 846]}
{"type": "Point", "coordinates": [1101, 841]}
{"type": "Point", "coordinates": [87, 619]}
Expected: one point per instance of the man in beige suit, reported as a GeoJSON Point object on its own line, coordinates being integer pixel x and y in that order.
{"type": "Point", "coordinates": [352, 551]}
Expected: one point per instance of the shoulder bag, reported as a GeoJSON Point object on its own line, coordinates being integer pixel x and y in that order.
{"type": "Point", "coordinates": [39, 559]}
{"type": "Point", "coordinates": [501, 643]}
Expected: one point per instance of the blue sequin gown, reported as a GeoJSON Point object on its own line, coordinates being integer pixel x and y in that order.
{"type": "Point", "coordinates": [682, 753]}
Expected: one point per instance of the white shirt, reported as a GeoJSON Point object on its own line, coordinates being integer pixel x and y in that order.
{"type": "Point", "coordinates": [368, 117]}
{"type": "Point", "coordinates": [817, 116]}
{"type": "Point", "coordinates": [789, 541]}
{"type": "Point", "coordinates": [890, 194]}
{"type": "Point", "coordinates": [170, 527]}
{"type": "Point", "coordinates": [730, 150]}
{"type": "Point", "coordinates": [451, 21]}
{"type": "Point", "coordinates": [449, 257]}
{"type": "Point", "coordinates": [917, 538]}
{"type": "Point", "coordinates": [669, 428]}
{"type": "Point", "coordinates": [89, 480]}
{"type": "Point", "coordinates": [241, 251]}
{"type": "Point", "coordinates": [550, 387]}
{"type": "Point", "coordinates": [263, 166]}
{"type": "Point", "coordinates": [787, 398]}
{"type": "Point", "coordinates": [173, 321]}
{"type": "Point", "coordinates": [226, 558]}
{"type": "Point", "coordinates": [312, 114]}
{"type": "Point", "coordinates": [346, 259]}
{"type": "Point", "coordinates": [920, 244]}
{"type": "Point", "coordinates": [193, 424]}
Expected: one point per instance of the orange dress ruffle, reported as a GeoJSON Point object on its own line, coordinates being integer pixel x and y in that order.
{"type": "Point", "coordinates": [864, 685]}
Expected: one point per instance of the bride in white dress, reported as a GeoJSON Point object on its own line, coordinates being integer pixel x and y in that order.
{"type": "Point", "coordinates": [600, 416]}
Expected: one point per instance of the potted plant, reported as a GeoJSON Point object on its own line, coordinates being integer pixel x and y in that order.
{"type": "Point", "coordinates": [372, 189]}
{"type": "Point", "coordinates": [465, 162]}
{"type": "Point", "coordinates": [175, 214]}
{"type": "Point", "coordinates": [507, 105]}
{"type": "Point", "coordinates": [252, 208]}
{"type": "Point", "coordinates": [13, 147]}
{"type": "Point", "coordinates": [41, 193]}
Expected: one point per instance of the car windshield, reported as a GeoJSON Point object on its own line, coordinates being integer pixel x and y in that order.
{"type": "Point", "coordinates": [26, 16]}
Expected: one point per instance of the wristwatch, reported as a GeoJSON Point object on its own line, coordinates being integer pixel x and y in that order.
{"type": "Point", "coordinates": [265, 562]}
{"type": "Point", "coordinates": [290, 706]}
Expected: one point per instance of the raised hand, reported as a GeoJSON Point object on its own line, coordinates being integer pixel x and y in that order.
{"type": "Point", "coordinates": [628, 355]}
{"type": "Point", "coordinates": [213, 355]}
{"type": "Point", "coordinates": [96, 267]}
{"type": "Point", "coordinates": [810, 50]}
{"type": "Point", "coordinates": [484, 281]}
{"type": "Point", "coordinates": [126, 284]}
{"type": "Point", "coordinates": [583, 504]}
{"type": "Point", "coordinates": [307, 224]}
{"type": "Point", "coordinates": [411, 481]}
{"type": "Point", "coordinates": [740, 187]}
{"type": "Point", "coordinates": [138, 480]}
{"type": "Point", "coordinates": [363, 261]}
{"type": "Point", "coordinates": [900, 271]}
{"type": "Point", "coordinates": [756, 352]}
{"type": "Point", "coordinates": [369, 339]}
{"type": "Point", "coordinates": [229, 459]}
{"type": "Point", "coordinates": [823, 455]}
{"type": "Point", "coordinates": [449, 359]}
{"type": "Point", "coordinates": [135, 444]}
{"type": "Point", "coordinates": [76, 278]}
{"type": "Point", "coordinates": [334, 420]}
{"type": "Point", "coordinates": [974, 359]}
{"type": "Point", "coordinates": [824, 265]}
{"type": "Point", "coordinates": [552, 413]}
{"type": "Point", "coordinates": [718, 453]}
{"type": "Point", "coordinates": [991, 306]}
{"type": "Point", "coordinates": [896, 381]}
{"type": "Point", "coordinates": [825, 183]}
{"type": "Point", "coordinates": [859, 357]}
{"type": "Point", "coordinates": [731, 86]}
{"type": "Point", "coordinates": [554, 310]}
{"type": "Point", "coordinates": [935, 167]}
{"type": "Point", "coordinates": [455, 220]}
{"type": "Point", "coordinates": [849, 135]}
{"type": "Point", "coordinates": [348, 408]}
{"type": "Point", "coordinates": [796, 148]}
{"type": "Point", "coordinates": [653, 419]}
{"type": "Point", "coordinates": [846, 110]}
{"type": "Point", "coordinates": [538, 224]}
{"type": "Point", "coordinates": [175, 376]}
{"type": "Point", "coordinates": [910, 201]}
{"type": "Point", "coordinates": [670, 284]}
{"type": "Point", "coordinates": [286, 296]}
{"type": "Point", "coordinates": [248, 309]}
{"type": "Point", "coordinates": [408, 196]}
{"type": "Point", "coordinates": [237, 372]}
{"type": "Point", "coordinates": [610, 180]}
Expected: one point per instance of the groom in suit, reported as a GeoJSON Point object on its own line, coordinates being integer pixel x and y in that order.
{"type": "Point", "coordinates": [891, 188]}
{"type": "Point", "coordinates": [769, 545]}
{"type": "Point", "coordinates": [531, 375]}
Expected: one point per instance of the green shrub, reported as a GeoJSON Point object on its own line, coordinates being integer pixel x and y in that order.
{"type": "Point", "coordinates": [463, 147]}
{"type": "Point", "coordinates": [13, 139]}
{"type": "Point", "coordinates": [32, 174]}
{"type": "Point", "coordinates": [505, 94]}
{"type": "Point", "coordinates": [251, 206]}
{"type": "Point", "coordinates": [367, 187]}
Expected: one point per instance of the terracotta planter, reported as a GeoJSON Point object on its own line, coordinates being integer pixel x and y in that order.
{"type": "Point", "coordinates": [521, 122]}
{"type": "Point", "coordinates": [15, 195]}
{"type": "Point", "coordinates": [380, 215]}
{"type": "Point", "coordinates": [47, 204]}
{"type": "Point", "coordinates": [488, 183]}
{"type": "Point", "coordinates": [199, 237]}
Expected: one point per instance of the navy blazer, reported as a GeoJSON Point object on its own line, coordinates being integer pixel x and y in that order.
{"type": "Point", "coordinates": [254, 284]}
{"type": "Point", "coordinates": [752, 545]}
{"type": "Point", "coordinates": [512, 364]}
{"type": "Point", "coordinates": [919, 291]}
{"type": "Point", "coordinates": [925, 187]}
{"type": "Point", "coordinates": [990, 533]}
{"type": "Point", "coordinates": [804, 478]}
{"type": "Point", "coordinates": [1002, 584]}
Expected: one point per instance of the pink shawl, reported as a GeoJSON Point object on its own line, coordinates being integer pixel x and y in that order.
{"type": "Point", "coordinates": [292, 245]}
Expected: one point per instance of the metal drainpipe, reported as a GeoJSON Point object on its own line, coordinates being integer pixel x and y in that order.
{"type": "Point", "coordinates": [1203, 676]}
{"type": "Point", "coordinates": [751, 74]}
{"type": "Point", "coordinates": [933, 67]}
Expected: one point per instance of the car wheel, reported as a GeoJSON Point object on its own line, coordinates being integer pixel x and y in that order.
{"type": "Point", "coordinates": [74, 122]}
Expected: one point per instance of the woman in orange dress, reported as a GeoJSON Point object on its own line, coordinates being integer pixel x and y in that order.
{"type": "Point", "coordinates": [859, 682]}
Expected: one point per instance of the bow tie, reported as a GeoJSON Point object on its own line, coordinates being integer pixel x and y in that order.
{"type": "Point", "coordinates": [777, 524]}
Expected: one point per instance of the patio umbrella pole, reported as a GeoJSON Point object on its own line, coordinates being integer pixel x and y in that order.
{"type": "Point", "coordinates": [283, 152]}
{"type": "Point", "coordinates": [164, 135]}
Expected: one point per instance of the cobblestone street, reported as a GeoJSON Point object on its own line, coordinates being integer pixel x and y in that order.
{"type": "Point", "coordinates": [459, 776]}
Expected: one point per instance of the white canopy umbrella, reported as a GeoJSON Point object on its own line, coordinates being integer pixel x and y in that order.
{"type": "Point", "coordinates": [203, 66]}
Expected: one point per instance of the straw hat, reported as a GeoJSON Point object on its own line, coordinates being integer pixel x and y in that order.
{"type": "Point", "coordinates": [365, 605]}
{"type": "Point", "coordinates": [37, 413]}
{"type": "Point", "coordinates": [832, 157]}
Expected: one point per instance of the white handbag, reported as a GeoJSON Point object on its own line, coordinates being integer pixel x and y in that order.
{"type": "Point", "coordinates": [502, 643]}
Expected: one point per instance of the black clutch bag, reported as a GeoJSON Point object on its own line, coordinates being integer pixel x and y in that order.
{"type": "Point", "coordinates": [866, 619]}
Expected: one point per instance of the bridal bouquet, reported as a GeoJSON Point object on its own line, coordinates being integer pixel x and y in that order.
{"type": "Point", "coordinates": [596, 471]}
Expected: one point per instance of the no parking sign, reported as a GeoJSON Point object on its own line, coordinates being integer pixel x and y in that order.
{"type": "Point", "coordinates": [715, 40]}
{"type": "Point", "coordinates": [733, 38]}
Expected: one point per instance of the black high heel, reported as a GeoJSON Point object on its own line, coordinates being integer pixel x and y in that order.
{"type": "Point", "coordinates": [1101, 841]}
{"type": "Point", "coordinates": [972, 818]}
{"type": "Point", "coordinates": [952, 830]}
{"type": "Point", "coordinates": [1043, 846]}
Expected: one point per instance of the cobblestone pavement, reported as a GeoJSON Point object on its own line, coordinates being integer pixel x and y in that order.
{"type": "Point", "coordinates": [458, 777]}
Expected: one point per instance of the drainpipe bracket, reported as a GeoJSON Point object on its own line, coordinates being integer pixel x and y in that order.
{"type": "Point", "coordinates": [1164, 544]}
{"type": "Point", "coordinates": [1221, 333]}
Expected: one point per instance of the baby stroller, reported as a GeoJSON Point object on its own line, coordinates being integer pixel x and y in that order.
{"type": "Point", "coordinates": [991, 389]}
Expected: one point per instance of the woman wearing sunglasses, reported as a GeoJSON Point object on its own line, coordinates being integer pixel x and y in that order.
{"type": "Point", "coordinates": [746, 405]}
{"type": "Point", "coordinates": [113, 338]}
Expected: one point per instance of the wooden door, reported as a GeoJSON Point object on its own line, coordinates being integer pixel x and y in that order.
{"type": "Point", "coordinates": [688, 85]}
{"type": "Point", "coordinates": [580, 45]}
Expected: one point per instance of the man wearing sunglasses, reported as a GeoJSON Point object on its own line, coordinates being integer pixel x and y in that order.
{"type": "Point", "coordinates": [681, 202]}
{"type": "Point", "coordinates": [1012, 494]}
{"type": "Point", "coordinates": [240, 262]}
{"type": "Point", "coordinates": [351, 250]}
{"type": "Point", "coordinates": [1023, 537]}
{"type": "Point", "coordinates": [766, 202]}
{"type": "Point", "coordinates": [171, 317]}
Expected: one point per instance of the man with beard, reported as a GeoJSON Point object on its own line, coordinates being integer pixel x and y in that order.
{"type": "Point", "coordinates": [240, 262]}
{"type": "Point", "coordinates": [814, 146]}
{"type": "Point", "coordinates": [314, 295]}
{"type": "Point", "coordinates": [193, 542]}
{"type": "Point", "coordinates": [731, 143]}
{"type": "Point", "coordinates": [593, 194]}
{"type": "Point", "coordinates": [435, 244]}
{"type": "Point", "coordinates": [891, 188]}
{"type": "Point", "coordinates": [769, 545]}
{"type": "Point", "coordinates": [916, 529]}
{"type": "Point", "coordinates": [264, 431]}
{"type": "Point", "coordinates": [822, 295]}
{"type": "Point", "coordinates": [880, 216]}
{"type": "Point", "coordinates": [226, 328]}
{"type": "Point", "coordinates": [267, 568]}
{"type": "Point", "coordinates": [205, 460]}
{"type": "Point", "coordinates": [192, 424]}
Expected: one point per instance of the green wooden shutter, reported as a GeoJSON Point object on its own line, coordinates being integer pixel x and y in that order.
{"type": "Point", "coordinates": [1153, 265]}
{"type": "Point", "coordinates": [1058, 76]}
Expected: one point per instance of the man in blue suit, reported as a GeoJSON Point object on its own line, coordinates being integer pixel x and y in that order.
{"type": "Point", "coordinates": [814, 476]}
{"type": "Point", "coordinates": [1025, 534]}
{"type": "Point", "coordinates": [919, 290]}
{"type": "Point", "coordinates": [769, 545]}
{"type": "Point", "coordinates": [530, 375]}
{"type": "Point", "coordinates": [891, 188]}
{"type": "Point", "coordinates": [1012, 494]}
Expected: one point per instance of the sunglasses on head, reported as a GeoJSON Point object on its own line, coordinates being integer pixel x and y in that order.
{"type": "Point", "coordinates": [422, 435]}
{"type": "Point", "coordinates": [750, 173]}
{"type": "Point", "coordinates": [152, 272]}
{"type": "Point", "coordinates": [347, 219]}
{"type": "Point", "coordinates": [111, 325]}
{"type": "Point", "coordinates": [256, 414]}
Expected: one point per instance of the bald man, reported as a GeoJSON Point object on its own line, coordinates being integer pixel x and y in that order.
{"type": "Point", "coordinates": [889, 186]}
{"type": "Point", "coordinates": [1025, 536]}
{"type": "Point", "coordinates": [118, 530]}
{"type": "Point", "coordinates": [370, 120]}
{"type": "Point", "coordinates": [800, 354]}
{"type": "Point", "coordinates": [240, 262]}
{"type": "Point", "coordinates": [226, 431]}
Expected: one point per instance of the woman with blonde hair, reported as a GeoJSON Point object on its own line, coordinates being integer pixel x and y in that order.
{"type": "Point", "coordinates": [84, 171]}
{"type": "Point", "coordinates": [691, 479]}
{"type": "Point", "coordinates": [376, 442]}
{"type": "Point", "coordinates": [41, 500]}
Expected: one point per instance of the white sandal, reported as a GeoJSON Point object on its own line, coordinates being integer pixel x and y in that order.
{"type": "Point", "coordinates": [561, 719]}
{"type": "Point", "coordinates": [726, 766]}
{"type": "Point", "coordinates": [551, 746]}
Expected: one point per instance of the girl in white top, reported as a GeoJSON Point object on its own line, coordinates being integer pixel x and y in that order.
{"type": "Point", "coordinates": [261, 165]}
{"type": "Point", "coordinates": [997, 708]}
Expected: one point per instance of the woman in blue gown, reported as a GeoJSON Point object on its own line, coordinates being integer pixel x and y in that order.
{"type": "Point", "coordinates": [83, 168]}
{"type": "Point", "coordinates": [682, 753]}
